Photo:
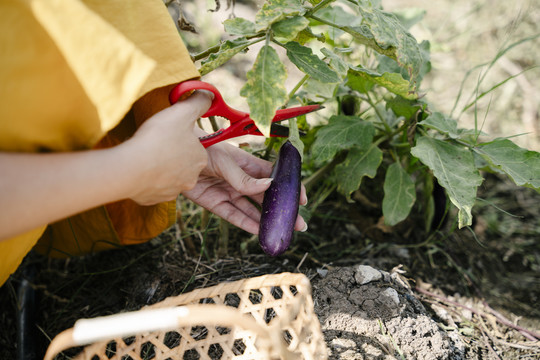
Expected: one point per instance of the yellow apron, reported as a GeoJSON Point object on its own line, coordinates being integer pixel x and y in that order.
{"type": "Point", "coordinates": [84, 74]}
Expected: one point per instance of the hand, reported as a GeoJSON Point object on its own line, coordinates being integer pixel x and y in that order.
{"type": "Point", "coordinates": [232, 174]}
{"type": "Point", "coordinates": [167, 152]}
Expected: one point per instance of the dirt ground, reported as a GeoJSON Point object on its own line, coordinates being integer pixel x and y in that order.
{"type": "Point", "coordinates": [378, 294]}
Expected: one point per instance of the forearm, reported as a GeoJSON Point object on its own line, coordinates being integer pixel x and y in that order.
{"type": "Point", "coordinates": [162, 159]}
{"type": "Point", "coordinates": [37, 189]}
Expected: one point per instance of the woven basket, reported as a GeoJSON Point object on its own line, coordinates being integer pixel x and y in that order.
{"type": "Point", "coordinates": [266, 317]}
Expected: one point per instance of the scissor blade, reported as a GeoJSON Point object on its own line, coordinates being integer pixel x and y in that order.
{"type": "Point", "coordinates": [281, 131]}
{"type": "Point", "coordinates": [284, 114]}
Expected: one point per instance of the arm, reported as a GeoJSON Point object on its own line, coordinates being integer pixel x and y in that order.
{"type": "Point", "coordinates": [37, 189]}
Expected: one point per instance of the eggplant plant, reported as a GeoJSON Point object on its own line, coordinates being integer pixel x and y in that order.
{"type": "Point", "coordinates": [364, 65]}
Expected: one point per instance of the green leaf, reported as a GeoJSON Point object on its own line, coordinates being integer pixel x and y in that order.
{"type": "Point", "coordinates": [341, 132]}
{"type": "Point", "coordinates": [275, 10]}
{"type": "Point", "coordinates": [264, 89]}
{"type": "Point", "coordinates": [307, 35]}
{"type": "Point", "coordinates": [337, 15]}
{"type": "Point", "coordinates": [384, 33]}
{"type": "Point", "coordinates": [359, 163]}
{"type": "Point", "coordinates": [289, 28]}
{"type": "Point", "coordinates": [310, 64]}
{"type": "Point", "coordinates": [399, 194]}
{"type": "Point", "coordinates": [239, 26]}
{"type": "Point", "coordinates": [403, 107]}
{"type": "Point", "coordinates": [394, 82]}
{"type": "Point", "coordinates": [390, 65]}
{"type": "Point", "coordinates": [317, 91]}
{"type": "Point", "coordinates": [388, 32]}
{"type": "Point", "coordinates": [523, 166]}
{"type": "Point", "coordinates": [441, 123]}
{"type": "Point", "coordinates": [226, 51]}
{"type": "Point", "coordinates": [455, 170]}
{"type": "Point", "coordinates": [359, 82]}
{"type": "Point", "coordinates": [336, 63]}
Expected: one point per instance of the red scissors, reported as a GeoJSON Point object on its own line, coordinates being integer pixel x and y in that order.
{"type": "Point", "coordinates": [241, 122]}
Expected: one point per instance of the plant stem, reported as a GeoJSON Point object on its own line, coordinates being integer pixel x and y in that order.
{"type": "Point", "coordinates": [358, 37]}
{"type": "Point", "coordinates": [295, 89]}
{"type": "Point", "coordinates": [379, 115]}
{"type": "Point", "coordinates": [206, 52]}
{"type": "Point", "coordinates": [323, 171]}
{"type": "Point", "coordinates": [394, 155]}
{"type": "Point", "coordinates": [223, 245]}
{"type": "Point", "coordinates": [294, 137]}
{"type": "Point", "coordinates": [268, 37]}
{"type": "Point", "coordinates": [215, 48]}
{"type": "Point", "coordinates": [317, 7]}
{"type": "Point", "coordinates": [325, 22]}
{"type": "Point", "coordinates": [213, 122]}
{"type": "Point", "coordinates": [268, 149]}
{"type": "Point", "coordinates": [186, 239]}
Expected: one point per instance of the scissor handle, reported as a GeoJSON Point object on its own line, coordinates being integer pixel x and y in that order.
{"type": "Point", "coordinates": [218, 107]}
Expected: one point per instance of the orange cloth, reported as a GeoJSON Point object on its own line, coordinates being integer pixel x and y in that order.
{"type": "Point", "coordinates": [80, 74]}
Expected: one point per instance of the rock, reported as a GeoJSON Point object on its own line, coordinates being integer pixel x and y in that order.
{"type": "Point", "coordinates": [365, 274]}
{"type": "Point", "coordinates": [367, 313]}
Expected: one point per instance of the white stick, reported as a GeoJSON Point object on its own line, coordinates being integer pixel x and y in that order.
{"type": "Point", "coordinates": [87, 331]}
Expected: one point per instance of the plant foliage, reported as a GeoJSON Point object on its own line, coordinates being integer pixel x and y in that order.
{"type": "Point", "coordinates": [365, 66]}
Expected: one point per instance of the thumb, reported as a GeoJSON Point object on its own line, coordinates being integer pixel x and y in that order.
{"type": "Point", "coordinates": [192, 107]}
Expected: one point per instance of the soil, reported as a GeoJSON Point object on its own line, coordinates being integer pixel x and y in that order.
{"type": "Point", "coordinates": [448, 295]}
{"type": "Point", "coordinates": [371, 314]}
{"type": "Point", "coordinates": [365, 313]}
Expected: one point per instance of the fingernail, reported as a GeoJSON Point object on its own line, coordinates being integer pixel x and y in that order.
{"type": "Point", "coordinates": [304, 229]}
{"type": "Point", "coordinates": [264, 181]}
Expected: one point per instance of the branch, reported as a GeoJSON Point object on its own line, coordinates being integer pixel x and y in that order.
{"type": "Point", "coordinates": [529, 334]}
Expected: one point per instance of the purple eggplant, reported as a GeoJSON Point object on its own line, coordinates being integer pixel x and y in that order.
{"type": "Point", "coordinates": [280, 204]}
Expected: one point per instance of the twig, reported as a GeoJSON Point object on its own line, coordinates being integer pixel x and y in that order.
{"type": "Point", "coordinates": [301, 262]}
{"type": "Point", "coordinates": [519, 346]}
{"type": "Point", "coordinates": [181, 234]}
{"type": "Point", "coordinates": [529, 334]}
{"type": "Point", "coordinates": [485, 334]}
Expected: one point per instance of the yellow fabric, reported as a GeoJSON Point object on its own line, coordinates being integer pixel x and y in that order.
{"type": "Point", "coordinates": [13, 251]}
{"type": "Point", "coordinates": [70, 71]}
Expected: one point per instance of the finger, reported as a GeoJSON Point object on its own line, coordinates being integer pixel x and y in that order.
{"type": "Point", "coordinates": [252, 165]}
{"type": "Point", "coordinates": [242, 182]}
{"type": "Point", "coordinates": [303, 195]}
{"type": "Point", "coordinates": [300, 224]}
{"type": "Point", "coordinates": [248, 208]}
{"type": "Point", "coordinates": [238, 218]}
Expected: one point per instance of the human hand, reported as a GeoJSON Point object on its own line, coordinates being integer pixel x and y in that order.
{"type": "Point", "coordinates": [166, 152]}
{"type": "Point", "coordinates": [230, 176]}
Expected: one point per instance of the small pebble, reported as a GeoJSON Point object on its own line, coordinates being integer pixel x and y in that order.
{"type": "Point", "coordinates": [365, 274]}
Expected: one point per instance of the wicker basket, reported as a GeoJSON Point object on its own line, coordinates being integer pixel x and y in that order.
{"type": "Point", "coordinates": [266, 317]}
